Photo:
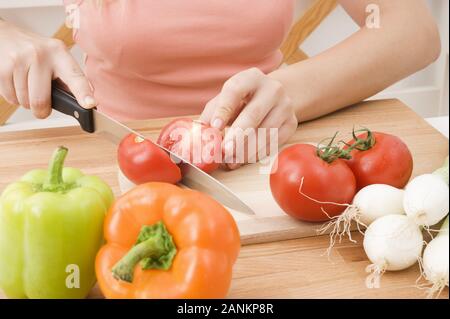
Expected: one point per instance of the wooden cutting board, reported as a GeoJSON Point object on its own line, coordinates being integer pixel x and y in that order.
{"type": "Point", "coordinates": [22, 151]}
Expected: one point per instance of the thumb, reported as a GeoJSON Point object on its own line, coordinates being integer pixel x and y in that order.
{"type": "Point", "coordinates": [68, 71]}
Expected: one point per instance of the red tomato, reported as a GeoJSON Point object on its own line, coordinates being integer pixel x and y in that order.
{"type": "Point", "coordinates": [141, 161]}
{"type": "Point", "coordinates": [388, 161]}
{"type": "Point", "coordinates": [325, 182]}
{"type": "Point", "coordinates": [198, 143]}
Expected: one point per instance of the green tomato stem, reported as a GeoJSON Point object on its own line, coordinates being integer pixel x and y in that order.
{"type": "Point", "coordinates": [331, 151]}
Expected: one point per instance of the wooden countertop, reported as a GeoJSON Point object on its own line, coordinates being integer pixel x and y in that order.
{"type": "Point", "coordinates": [285, 269]}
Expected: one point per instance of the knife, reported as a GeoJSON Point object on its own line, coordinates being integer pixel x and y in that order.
{"type": "Point", "coordinates": [93, 121]}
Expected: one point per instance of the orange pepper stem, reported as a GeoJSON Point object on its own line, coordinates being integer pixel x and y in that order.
{"type": "Point", "coordinates": [124, 269]}
{"type": "Point", "coordinates": [154, 249]}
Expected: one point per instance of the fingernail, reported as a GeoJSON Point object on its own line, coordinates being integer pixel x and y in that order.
{"type": "Point", "coordinates": [89, 102]}
{"type": "Point", "coordinates": [217, 123]}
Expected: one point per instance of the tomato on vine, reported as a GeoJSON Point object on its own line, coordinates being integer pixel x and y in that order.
{"type": "Point", "coordinates": [379, 158]}
{"type": "Point", "coordinates": [307, 182]}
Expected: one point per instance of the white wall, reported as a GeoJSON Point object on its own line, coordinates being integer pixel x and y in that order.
{"type": "Point", "coordinates": [426, 91]}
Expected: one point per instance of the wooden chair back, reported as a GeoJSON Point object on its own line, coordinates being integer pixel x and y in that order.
{"type": "Point", "coordinates": [303, 28]}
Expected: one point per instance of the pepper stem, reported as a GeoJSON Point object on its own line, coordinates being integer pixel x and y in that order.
{"type": "Point", "coordinates": [154, 249]}
{"type": "Point", "coordinates": [124, 269]}
{"type": "Point", "coordinates": [55, 168]}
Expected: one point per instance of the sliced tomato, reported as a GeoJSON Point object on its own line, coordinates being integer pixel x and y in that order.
{"type": "Point", "coordinates": [382, 159]}
{"type": "Point", "coordinates": [141, 161]}
{"type": "Point", "coordinates": [301, 182]}
{"type": "Point", "coordinates": [195, 142]}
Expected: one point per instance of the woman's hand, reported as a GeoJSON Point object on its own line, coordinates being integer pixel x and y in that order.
{"type": "Point", "coordinates": [250, 100]}
{"type": "Point", "coordinates": [28, 65]}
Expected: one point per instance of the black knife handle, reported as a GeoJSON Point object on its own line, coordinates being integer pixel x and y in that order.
{"type": "Point", "coordinates": [64, 102]}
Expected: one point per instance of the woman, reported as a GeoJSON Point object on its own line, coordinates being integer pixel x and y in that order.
{"type": "Point", "coordinates": [148, 58]}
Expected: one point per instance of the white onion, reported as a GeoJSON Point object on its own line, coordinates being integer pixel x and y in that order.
{"type": "Point", "coordinates": [392, 242]}
{"type": "Point", "coordinates": [426, 199]}
{"type": "Point", "coordinates": [370, 203]}
{"type": "Point", "coordinates": [436, 262]}
{"type": "Point", "coordinates": [435, 259]}
{"type": "Point", "coordinates": [378, 200]}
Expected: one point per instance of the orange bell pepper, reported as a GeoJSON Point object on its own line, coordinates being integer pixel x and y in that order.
{"type": "Point", "coordinates": [163, 241]}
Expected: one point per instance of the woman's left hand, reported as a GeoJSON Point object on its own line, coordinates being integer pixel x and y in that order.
{"type": "Point", "coordinates": [250, 100]}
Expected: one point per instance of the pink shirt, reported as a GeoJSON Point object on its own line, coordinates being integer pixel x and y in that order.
{"type": "Point", "coordinates": [157, 58]}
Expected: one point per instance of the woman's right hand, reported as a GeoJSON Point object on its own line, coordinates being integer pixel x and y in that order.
{"type": "Point", "coordinates": [30, 62]}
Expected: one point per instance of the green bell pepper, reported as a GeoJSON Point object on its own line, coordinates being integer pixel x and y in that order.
{"type": "Point", "coordinates": [51, 227]}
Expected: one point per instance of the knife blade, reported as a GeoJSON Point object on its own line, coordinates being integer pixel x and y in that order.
{"type": "Point", "coordinates": [93, 121]}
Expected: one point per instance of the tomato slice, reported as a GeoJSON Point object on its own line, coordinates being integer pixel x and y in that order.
{"type": "Point", "coordinates": [301, 181]}
{"type": "Point", "coordinates": [195, 142]}
{"type": "Point", "coordinates": [388, 161]}
{"type": "Point", "coordinates": [141, 161]}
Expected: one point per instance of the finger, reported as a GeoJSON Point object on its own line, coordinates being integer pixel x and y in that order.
{"type": "Point", "coordinates": [267, 155]}
{"type": "Point", "coordinates": [239, 144]}
{"type": "Point", "coordinates": [279, 114]}
{"type": "Point", "coordinates": [20, 79]}
{"type": "Point", "coordinates": [68, 70]}
{"type": "Point", "coordinates": [7, 90]}
{"type": "Point", "coordinates": [283, 132]}
{"type": "Point", "coordinates": [274, 138]}
{"type": "Point", "coordinates": [250, 148]}
{"type": "Point", "coordinates": [287, 130]}
{"type": "Point", "coordinates": [260, 105]}
{"type": "Point", "coordinates": [232, 161]}
{"type": "Point", "coordinates": [249, 119]}
{"type": "Point", "coordinates": [39, 89]}
{"type": "Point", "coordinates": [208, 111]}
{"type": "Point", "coordinates": [274, 120]}
{"type": "Point", "coordinates": [274, 129]}
{"type": "Point", "coordinates": [233, 93]}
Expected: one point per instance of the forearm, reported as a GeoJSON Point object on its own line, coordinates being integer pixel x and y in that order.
{"type": "Point", "coordinates": [362, 65]}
